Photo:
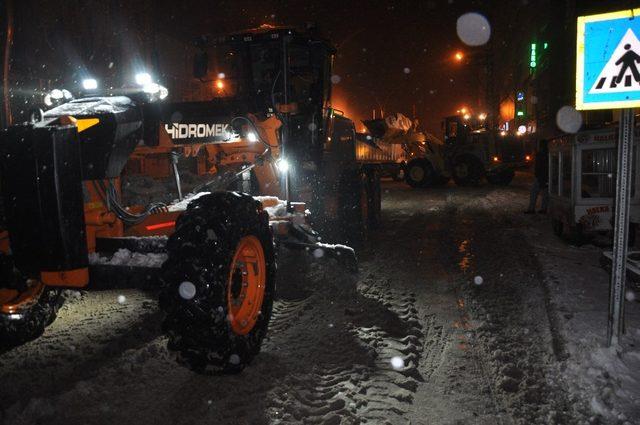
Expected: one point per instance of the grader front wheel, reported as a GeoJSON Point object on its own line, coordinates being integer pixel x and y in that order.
{"type": "Point", "coordinates": [219, 283]}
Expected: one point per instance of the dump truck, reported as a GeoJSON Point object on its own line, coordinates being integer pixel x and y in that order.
{"type": "Point", "coordinates": [269, 163]}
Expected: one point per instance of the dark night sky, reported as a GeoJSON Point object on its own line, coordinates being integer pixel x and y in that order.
{"type": "Point", "coordinates": [376, 41]}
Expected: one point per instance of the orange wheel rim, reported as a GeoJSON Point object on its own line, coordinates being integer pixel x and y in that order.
{"type": "Point", "coordinates": [246, 285]}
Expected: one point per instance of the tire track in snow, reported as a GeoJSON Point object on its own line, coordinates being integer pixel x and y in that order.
{"type": "Point", "coordinates": [285, 313]}
{"type": "Point", "coordinates": [351, 379]}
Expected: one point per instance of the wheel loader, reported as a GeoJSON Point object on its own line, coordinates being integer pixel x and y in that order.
{"type": "Point", "coordinates": [269, 164]}
{"type": "Point", "coordinates": [467, 155]}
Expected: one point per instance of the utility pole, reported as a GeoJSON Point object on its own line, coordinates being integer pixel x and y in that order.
{"type": "Point", "coordinates": [6, 65]}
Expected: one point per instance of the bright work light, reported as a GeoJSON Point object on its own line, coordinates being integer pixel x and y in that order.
{"type": "Point", "coordinates": [142, 79]}
{"type": "Point", "coordinates": [283, 165]}
{"type": "Point", "coordinates": [89, 84]}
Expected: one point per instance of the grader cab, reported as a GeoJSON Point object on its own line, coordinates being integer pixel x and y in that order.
{"type": "Point", "coordinates": [266, 160]}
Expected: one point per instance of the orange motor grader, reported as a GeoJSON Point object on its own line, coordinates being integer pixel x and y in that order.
{"type": "Point", "coordinates": [271, 159]}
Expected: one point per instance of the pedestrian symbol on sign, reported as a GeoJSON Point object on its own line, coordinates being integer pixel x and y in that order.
{"type": "Point", "coordinates": [620, 74]}
{"type": "Point", "coordinates": [628, 61]}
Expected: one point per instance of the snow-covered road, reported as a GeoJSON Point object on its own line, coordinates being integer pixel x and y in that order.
{"type": "Point", "coordinates": [416, 337]}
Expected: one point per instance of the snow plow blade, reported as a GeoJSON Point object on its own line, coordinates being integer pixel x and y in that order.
{"type": "Point", "coordinates": [343, 254]}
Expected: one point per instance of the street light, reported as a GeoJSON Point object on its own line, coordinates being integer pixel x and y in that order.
{"type": "Point", "coordinates": [482, 116]}
{"type": "Point", "coordinates": [466, 116]}
{"type": "Point", "coordinates": [459, 56]}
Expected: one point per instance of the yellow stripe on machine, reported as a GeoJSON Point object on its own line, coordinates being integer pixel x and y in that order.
{"type": "Point", "coordinates": [82, 123]}
{"type": "Point", "coordinates": [85, 123]}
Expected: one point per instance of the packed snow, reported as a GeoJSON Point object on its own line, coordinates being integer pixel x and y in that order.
{"type": "Point", "coordinates": [124, 257]}
{"type": "Point", "coordinates": [412, 339]}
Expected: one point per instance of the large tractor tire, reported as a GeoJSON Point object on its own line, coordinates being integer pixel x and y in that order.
{"type": "Point", "coordinates": [502, 177]}
{"type": "Point", "coordinates": [30, 323]}
{"type": "Point", "coordinates": [353, 208]}
{"type": "Point", "coordinates": [420, 173]}
{"type": "Point", "coordinates": [374, 198]}
{"type": "Point", "coordinates": [219, 282]}
{"type": "Point", "coordinates": [467, 171]}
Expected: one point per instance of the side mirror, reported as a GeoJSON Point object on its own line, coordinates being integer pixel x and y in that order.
{"type": "Point", "coordinates": [200, 64]}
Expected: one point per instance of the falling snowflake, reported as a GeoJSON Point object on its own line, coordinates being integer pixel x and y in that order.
{"type": "Point", "coordinates": [406, 70]}
{"type": "Point", "coordinates": [630, 296]}
{"type": "Point", "coordinates": [318, 253]}
{"type": "Point", "coordinates": [122, 299]}
{"type": "Point", "coordinates": [473, 29]}
{"type": "Point", "coordinates": [335, 79]}
{"type": "Point", "coordinates": [234, 359]}
{"type": "Point", "coordinates": [397, 362]}
{"type": "Point", "coordinates": [187, 290]}
{"type": "Point", "coordinates": [478, 280]}
{"type": "Point", "coordinates": [568, 119]}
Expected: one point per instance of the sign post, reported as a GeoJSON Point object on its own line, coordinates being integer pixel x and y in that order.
{"type": "Point", "coordinates": [621, 229]}
{"type": "Point", "coordinates": [608, 77]}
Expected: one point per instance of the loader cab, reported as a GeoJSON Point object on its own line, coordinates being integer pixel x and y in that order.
{"type": "Point", "coordinates": [456, 131]}
{"type": "Point", "coordinates": [267, 67]}
{"type": "Point", "coordinates": [273, 70]}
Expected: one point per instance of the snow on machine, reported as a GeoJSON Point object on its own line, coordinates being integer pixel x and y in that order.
{"type": "Point", "coordinates": [404, 151]}
{"type": "Point", "coordinates": [266, 159]}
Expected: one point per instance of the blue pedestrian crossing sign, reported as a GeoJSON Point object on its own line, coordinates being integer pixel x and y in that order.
{"type": "Point", "coordinates": [608, 61]}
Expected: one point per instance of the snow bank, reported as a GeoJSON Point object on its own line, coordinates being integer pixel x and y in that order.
{"type": "Point", "coordinates": [606, 379]}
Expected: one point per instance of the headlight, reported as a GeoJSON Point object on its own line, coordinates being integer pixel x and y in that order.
{"type": "Point", "coordinates": [155, 91]}
{"type": "Point", "coordinates": [143, 78]}
{"type": "Point", "coordinates": [283, 165]}
{"type": "Point", "coordinates": [57, 97]}
{"type": "Point", "coordinates": [89, 84]}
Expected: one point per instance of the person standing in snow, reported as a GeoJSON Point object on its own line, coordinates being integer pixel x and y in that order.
{"type": "Point", "coordinates": [541, 180]}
